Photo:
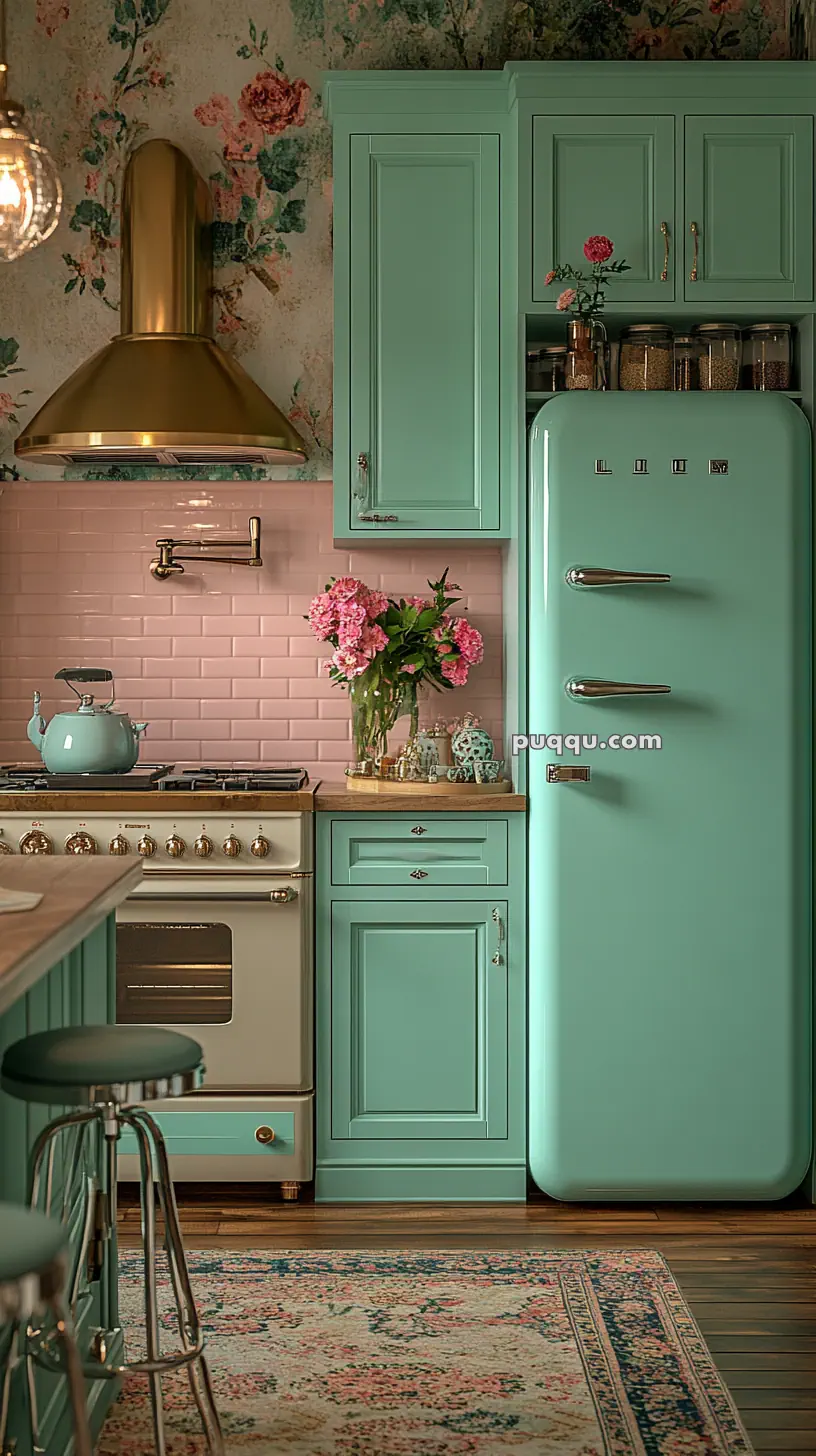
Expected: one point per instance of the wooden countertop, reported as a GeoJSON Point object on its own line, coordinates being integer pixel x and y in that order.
{"type": "Point", "coordinates": [77, 894]}
{"type": "Point", "coordinates": [102, 801]}
{"type": "Point", "coordinates": [336, 799]}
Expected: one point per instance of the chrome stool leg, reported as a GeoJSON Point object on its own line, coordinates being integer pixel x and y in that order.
{"type": "Point", "coordinates": [152, 1341]}
{"type": "Point", "coordinates": [187, 1314]}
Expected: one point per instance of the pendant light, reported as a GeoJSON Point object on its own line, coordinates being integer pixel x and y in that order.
{"type": "Point", "coordinates": [30, 189]}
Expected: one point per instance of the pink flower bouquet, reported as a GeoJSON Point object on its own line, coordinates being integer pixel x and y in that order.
{"type": "Point", "coordinates": [384, 649]}
{"type": "Point", "coordinates": [585, 296]}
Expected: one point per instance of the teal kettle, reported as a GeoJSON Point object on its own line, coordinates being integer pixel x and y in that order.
{"type": "Point", "coordinates": [92, 739]}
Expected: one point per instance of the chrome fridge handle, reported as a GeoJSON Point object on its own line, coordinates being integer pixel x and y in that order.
{"type": "Point", "coordinates": [598, 687]}
{"type": "Point", "coordinates": [608, 576]}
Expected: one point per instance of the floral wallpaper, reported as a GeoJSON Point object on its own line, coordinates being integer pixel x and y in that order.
{"type": "Point", "coordinates": [238, 86]}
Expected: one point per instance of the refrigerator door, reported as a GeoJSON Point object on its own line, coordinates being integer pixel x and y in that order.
{"type": "Point", "coordinates": [669, 896]}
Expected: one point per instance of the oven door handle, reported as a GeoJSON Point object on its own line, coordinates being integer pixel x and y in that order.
{"type": "Point", "coordinates": [268, 897]}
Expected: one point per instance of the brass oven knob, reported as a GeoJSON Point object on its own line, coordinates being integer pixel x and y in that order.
{"type": "Point", "coordinates": [146, 846]}
{"type": "Point", "coordinates": [231, 846]}
{"type": "Point", "coordinates": [203, 846]}
{"type": "Point", "coordinates": [175, 846]}
{"type": "Point", "coordinates": [118, 845]}
{"type": "Point", "coordinates": [35, 842]}
{"type": "Point", "coordinates": [259, 847]}
{"type": "Point", "coordinates": [264, 1134]}
{"type": "Point", "coordinates": [80, 843]}
{"type": "Point", "coordinates": [5, 848]}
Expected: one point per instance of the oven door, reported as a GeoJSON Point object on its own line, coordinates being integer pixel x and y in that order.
{"type": "Point", "coordinates": [229, 963]}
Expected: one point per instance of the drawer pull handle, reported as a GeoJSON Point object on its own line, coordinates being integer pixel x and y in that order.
{"type": "Point", "coordinates": [419, 874]}
{"type": "Point", "coordinates": [264, 1135]}
{"type": "Point", "coordinates": [664, 228]}
{"type": "Point", "coordinates": [498, 958]}
{"type": "Point", "coordinates": [418, 829]}
{"type": "Point", "coordinates": [695, 233]}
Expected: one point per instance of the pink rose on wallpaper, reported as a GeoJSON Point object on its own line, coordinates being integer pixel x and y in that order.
{"type": "Point", "coordinates": [228, 324]}
{"type": "Point", "coordinates": [51, 14]}
{"type": "Point", "coordinates": [92, 182]}
{"type": "Point", "coordinates": [275, 102]}
{"type": "Point", "coordinates": [6, 406]}
{"type": "Point", "coordinates": [227, 201]}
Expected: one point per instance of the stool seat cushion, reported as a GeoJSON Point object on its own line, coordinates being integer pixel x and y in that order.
{"type": "Point", "coordinates": [99, 1056]}
{"type": "Point", "coordinates": [28, 1241]}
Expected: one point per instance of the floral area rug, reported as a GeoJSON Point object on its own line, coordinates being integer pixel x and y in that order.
{"type": "Point", "coordinates": [584, 1353]}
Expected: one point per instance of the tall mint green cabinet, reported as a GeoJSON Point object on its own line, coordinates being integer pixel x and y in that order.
{"type": "Point", "coordinates": [455, 195]}
{"type": "Point", "coordinates": [420, 1000]}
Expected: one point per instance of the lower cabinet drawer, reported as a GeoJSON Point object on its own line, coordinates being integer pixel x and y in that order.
{"type": "Point", "coordinates": [419, 852]}
{"type": "Point", "coordinates": [220, 1134]}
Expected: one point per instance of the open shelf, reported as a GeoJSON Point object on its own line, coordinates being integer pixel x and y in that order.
{"type": "Point", "coordinates": [536, 398]}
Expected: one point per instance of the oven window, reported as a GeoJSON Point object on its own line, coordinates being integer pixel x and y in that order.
{"type": "Point", "coordinates": [173, 975]}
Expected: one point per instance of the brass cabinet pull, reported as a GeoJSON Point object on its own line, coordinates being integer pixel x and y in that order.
{"type": "Point", "coordinates": [608, 576]}
{"type": "Point", "coordinates": [498, 958]}
{"type": "Point", "coordinates": [664, 228]}
{"type": "Point", "coordinates": [695, 233]}
{"type": "Point", "coordinates": [375, 517]}
{"type": "Point", "coordinates": [264, 1135]}
{"type": "Point", "coordinates": [418, 829]}
{"type": "Point", "coordinates": [596, 687]}
{"type": "Point", "coordinates": [419, 874]}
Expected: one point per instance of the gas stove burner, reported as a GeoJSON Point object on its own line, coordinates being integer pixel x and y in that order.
{"type": "Point", "coordinates": [23, 779]}
{"type": "Point", "coordinates": [238, 779]}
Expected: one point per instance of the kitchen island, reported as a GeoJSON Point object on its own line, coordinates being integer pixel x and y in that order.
{"type": "Point", "coordinates": [57, 968]}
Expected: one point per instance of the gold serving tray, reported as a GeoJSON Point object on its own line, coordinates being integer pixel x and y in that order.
{"type": "Point", "coordinates": [361, 784]}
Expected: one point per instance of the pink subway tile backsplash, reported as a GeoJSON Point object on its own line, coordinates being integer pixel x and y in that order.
{"type": "Point", "coordinates": [219, 660]}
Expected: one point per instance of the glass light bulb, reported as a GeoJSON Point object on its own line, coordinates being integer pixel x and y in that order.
{"type": "Point", "coordinates": [30, 190]}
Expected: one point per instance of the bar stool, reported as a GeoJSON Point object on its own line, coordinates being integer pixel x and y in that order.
{"type": "Point", "coordinates": [32, 1281]}
{"type": "Point", "coordinates": [107, 1072]}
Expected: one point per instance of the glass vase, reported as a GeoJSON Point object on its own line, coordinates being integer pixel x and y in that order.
{"type": "Point", "coordinates": [377, 702]}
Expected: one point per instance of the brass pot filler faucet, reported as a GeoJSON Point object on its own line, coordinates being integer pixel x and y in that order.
{"type": "Point", "coordinates": [167, 562]}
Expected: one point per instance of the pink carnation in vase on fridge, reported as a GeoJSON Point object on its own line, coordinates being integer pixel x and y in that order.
{"type": "Point", "coordinates": [584, 299]}
{"type": "Point", "coordinates": [386, 648]}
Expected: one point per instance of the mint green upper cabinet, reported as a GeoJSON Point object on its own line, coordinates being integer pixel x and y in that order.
{"type": "Point", "coordinates": [749, 190]}
{"type": "Point", "coordinates": [611, 175]}
{"type": "Point", "coordinates": [418, 1020]}
{"type": "Point", "coordinates": [417, 339]}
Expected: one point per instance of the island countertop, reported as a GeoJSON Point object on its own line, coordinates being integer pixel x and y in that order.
{"type": "Point", "coordinates": [77, 893]}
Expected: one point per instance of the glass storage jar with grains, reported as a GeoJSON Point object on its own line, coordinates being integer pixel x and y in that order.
{"type": "Point", "coordinates": [718, 355]}
{"type": "Point", "coordinates": [552, 362]}
{"type": "Point", "coordinates": [534, 369]}
{"type": "Point", "coordinates": [766, 357]}
{"type": "Point", "coordinates": [685, 362]}
{"type": "Point", "coordinates": [645, 358]}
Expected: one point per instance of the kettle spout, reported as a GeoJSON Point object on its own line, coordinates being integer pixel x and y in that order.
{"type": "Point", "coordinates": [139, 729]}
{"type": "Point", "coordinates": [36, 724]}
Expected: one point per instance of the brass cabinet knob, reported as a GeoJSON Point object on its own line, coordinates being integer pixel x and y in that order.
{"type": "Point", "coordinates": [264, 1134]}
{"type": "Point", "coordinates": [175, 846]}
{"type": "Point", "coordinates": [419, 874]}
{"type": "Point", "coordinates": [203, 846]}
{"type": "Point", "coordinates": [146, 846]}
{"type": "Point", "coordinates": [231, 846]}
{"type": "Point", "coordinates": [35, 842]}
{"type": "Point", "coordinates": [80, 843]}
{"type": "Point", "coordinates": [119, 845]}
{"type": "Point", "coordinates": [259, 846]}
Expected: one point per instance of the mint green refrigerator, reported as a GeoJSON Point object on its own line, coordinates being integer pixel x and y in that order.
{"type": "Point", "coordinates": [670, 864]}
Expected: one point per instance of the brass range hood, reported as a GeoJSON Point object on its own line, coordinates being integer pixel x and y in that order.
{"type": "Point", "coordinates": [162, 393]}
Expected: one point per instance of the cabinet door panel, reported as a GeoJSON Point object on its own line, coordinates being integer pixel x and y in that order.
{"type": "Point", "coordinates": [424, 332]}
{"type": "Point", "coordinates": [749, 189]}
{"type": "Point", "coordinates": [611, 175]}
{"type": "Point", "coordinates": [418, 1021]}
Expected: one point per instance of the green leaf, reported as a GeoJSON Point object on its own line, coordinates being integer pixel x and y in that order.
{"type": "Point", "coordinates": [279, 165]}
{"type": "Point", "coordinates": [9, 349]}
{"type": "Point", "coordinates": [264, 39]}
{"type": "Point", "coordinates": [426, 619]}
{"type": "Point", "coordinates": [293, 217]}
{"type": "Point", "coordinates": [244, 52]}
{"type": "Point", "coordinates": [253, 34]}
{"type": "Point", "coordinates": [92, 155]}
{"type": "Point", "coordinates": [279, 66]}
{"type": "Point", "coordinates": [93, 215]}
{"type": "Point", "coordinates": [98, 285]}
{"type": "Point", "coordinates": [124, 10]}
